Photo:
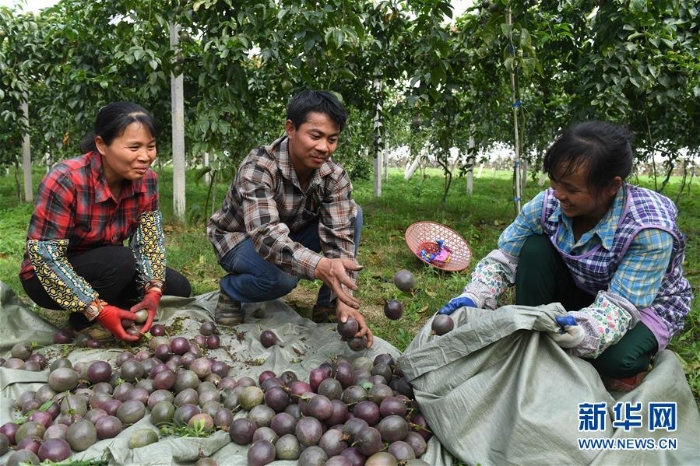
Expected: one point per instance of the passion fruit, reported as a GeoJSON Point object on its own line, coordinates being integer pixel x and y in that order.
{"type": "Point", "coordinates": [4, 444]}
{"type": "Point", "coordinates": [142, 437]}
{"type": "Point", "coordinates": [442, 324]}
{"type": "Point", "coordinates": [261, 452]}
{"type": "Point", "coordinates": [251, 397]}
{"type": "Point", "coordinates": [202, 421]}
{"type": "Point", "coordinates": [131, 411]}
{"type": "Point", "coordinates": [99, 371]}
{"type": "Point", "coordinates": [81, 435]}
{"type": "Point", "coordinates": [22, 457]}
{"type": "Point", "coordinates": [404, 280]}
{"type": "Point", "coordinates": [348, 328]}
{"type": "Point", "coordinates": [21, 350]}
{"type": "Point", "coordinates": [63, 379]}
{"type": "Point", "coordinates": [163, 412]}
{"type": "Point", "coordinates": [393, 309]}
{"type": "Point", "coordinates": [268, 338]}
{"type": "Point", "coordinates": [207, 328]}
{"type": "Point", "coordinates": [357, 344]}
{"type": "Point", "coordinates": [141, 316]}
{"type": "Point", "coordinates": [313, 456]}
{"type": "Point", "coordinates": [288, 447]}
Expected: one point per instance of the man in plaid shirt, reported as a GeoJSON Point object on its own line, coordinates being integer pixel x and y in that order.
{"type": "Point", "coordinates": [289, 214]}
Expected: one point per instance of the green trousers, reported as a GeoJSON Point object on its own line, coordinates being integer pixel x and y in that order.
{"type": "Point", "coordinates": [544, 278]}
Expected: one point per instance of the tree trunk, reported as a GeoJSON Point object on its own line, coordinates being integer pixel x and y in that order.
{"type": "Point", "coordinates": [411, 169]}
{"type": "Point", "coordinates": [205, 163]}
{"type": "Point", "coordinates": [385, 156]}
{"type": "Point", "coordinates": [471, 161]}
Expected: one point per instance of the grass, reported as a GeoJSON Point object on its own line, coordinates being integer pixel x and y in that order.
{"type": "Point", "coordinates": [480, 218]}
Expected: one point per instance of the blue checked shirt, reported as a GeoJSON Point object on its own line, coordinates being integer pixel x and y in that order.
{"type": "Point", "coordinates": [640, 278]}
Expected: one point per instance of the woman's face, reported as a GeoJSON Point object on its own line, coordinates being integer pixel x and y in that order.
{"type": "Point", "coordinates": [130, 155]}
{"type": "Point", "coordinates": [578, 199]}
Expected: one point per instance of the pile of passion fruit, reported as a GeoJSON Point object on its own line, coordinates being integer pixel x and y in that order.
{"type": "Point", "coordinates": [348, 411]}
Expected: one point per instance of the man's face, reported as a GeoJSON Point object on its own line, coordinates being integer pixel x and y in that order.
{"type": "Point", "coordinates": [313, 143]}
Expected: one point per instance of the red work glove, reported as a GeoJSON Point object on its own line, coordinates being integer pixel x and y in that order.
{"type": "Point", "coordinates": [110, 317]}
{"type": "Point", "coordinates": [149, 302]}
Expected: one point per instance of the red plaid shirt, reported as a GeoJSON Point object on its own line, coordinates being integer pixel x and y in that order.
{"type": "Point", "coordinates": [75, 212]}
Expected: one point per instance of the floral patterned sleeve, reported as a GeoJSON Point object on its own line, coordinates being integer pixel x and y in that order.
{"type": "Point", "coordinates": [71, 291]}
{"type": "Point", "coordinates": [148, 244]}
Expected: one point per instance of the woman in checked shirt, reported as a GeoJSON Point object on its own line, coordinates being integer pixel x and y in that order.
{"type": "Point", "coordinates": [85, 210]}
{"type": "Point", "coordinates": [611, 253]}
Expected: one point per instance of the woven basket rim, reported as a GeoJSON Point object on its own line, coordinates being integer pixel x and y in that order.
{"type": "Point", "coordinates": [426, 231]}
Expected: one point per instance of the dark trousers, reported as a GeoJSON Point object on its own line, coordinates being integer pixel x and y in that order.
{"type": "Point", "coordinates": [544, 278]}
{"type": "Point", "coordinates": [252, 279]}
{"type": "Point", "coordinates": [111, 271]}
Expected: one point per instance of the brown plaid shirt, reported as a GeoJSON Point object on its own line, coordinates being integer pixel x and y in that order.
{"type": "Point", "coordinates": [266, 202]}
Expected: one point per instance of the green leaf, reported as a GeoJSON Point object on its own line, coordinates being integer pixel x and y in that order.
{"type": "Point", "coordinates": [509, 63]}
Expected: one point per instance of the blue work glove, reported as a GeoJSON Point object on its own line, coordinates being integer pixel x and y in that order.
{"type": "Point", "coordinates": [570, 334]}
{"type": "Point", "coordinates": [456, 303]}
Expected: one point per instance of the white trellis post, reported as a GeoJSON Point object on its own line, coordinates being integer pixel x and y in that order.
{"type": "Point", "coordinates": [378, 139]}
{"type": "Point", "coordinates": [516, 106]}
{"type": "Point", "coordinates": [27, 155]}
{"type": "Point", "coordinates": [178, 132]}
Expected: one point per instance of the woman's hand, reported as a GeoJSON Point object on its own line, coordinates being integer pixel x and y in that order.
{"type": "Point", "coordinates": [456, 303]}
{"type": "Point", "coordinates": [110, 317]}
{"type": "Point", "coordinates": [150, 303]}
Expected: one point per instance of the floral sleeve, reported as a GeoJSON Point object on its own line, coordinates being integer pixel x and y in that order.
{"type": "Point", "coordinates": [71, 291]}
{"type": "Point", "coordinates": [148, 244]}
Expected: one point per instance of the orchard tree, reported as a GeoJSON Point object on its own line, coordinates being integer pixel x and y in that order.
{"type": "Point", "coordinates": [643, 66]}
{"type": "Point", "coordinates": [406, 73]}
{"type": "Point", "coordinates": [21, 54]}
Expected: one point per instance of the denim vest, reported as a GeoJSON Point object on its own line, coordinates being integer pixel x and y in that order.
{"type": "Point", "coordinates": [594, 270]}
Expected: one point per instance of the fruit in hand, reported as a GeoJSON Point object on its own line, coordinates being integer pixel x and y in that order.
{"type": "Point", "coordinates": [442, 324]}
{"type": "Point", "coordinates": [393, 309]}
{"type": "Point", "coordinates": [357, 344]}
{"type": "Point", "coordinates": [141, 316]}
{"type": "Point", "coordinates": [349, 328]}
{"type": "Point", "coordinates": [404, 280]}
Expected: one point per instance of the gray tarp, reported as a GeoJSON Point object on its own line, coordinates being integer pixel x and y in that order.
{"type": "Point", "coordinates": [492, 390]}
{"type": "Point", "coordinates": [495, 392]}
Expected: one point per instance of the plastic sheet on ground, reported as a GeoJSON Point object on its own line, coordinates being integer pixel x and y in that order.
{"type": "Point", "coordinates": [303, 346]}
{"type": "Point", "coordinates": [497, 390]}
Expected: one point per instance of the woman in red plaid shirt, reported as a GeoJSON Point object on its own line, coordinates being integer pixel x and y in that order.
{"type": "Point", "coordinates": [86, 209]}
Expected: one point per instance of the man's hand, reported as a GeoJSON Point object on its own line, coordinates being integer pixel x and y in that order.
{"type": "Point", "coordinates": [110, 317]}
{"type": "Point", "coordinates": [149, 302]}
{"type": "Point", "coordinates": [456, 303]}
{"type": "Point", "coordinates": [343, 312]}
{"type": "Point", "coordinates": [333, 272]}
